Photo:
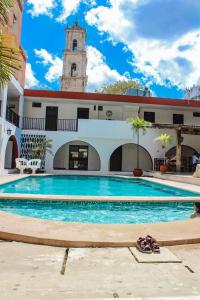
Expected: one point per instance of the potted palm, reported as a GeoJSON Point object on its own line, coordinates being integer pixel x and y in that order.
{"type": "Point", "coordinates": [138, 124]}
{"type": "Point", "coordinates": [164, 139]}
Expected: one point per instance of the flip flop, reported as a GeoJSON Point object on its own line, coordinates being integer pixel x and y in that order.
{"type": "Point", "coordinates": [153, 244]}
{"type": "Point", "coordinates": [143, 246]}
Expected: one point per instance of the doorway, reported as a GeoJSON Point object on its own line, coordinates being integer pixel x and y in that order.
{"type": "Point", "coordinates": [51, 118]}
{"type": "Point", "coordinates": [116, 160]}
{"type": "Point", "coordinates": [78, 157]}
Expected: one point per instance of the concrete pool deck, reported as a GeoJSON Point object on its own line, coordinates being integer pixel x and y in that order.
{"type": "Point", "coordinates": [33, 272]}
{"type": "Point", "coordinates": [63, 234]}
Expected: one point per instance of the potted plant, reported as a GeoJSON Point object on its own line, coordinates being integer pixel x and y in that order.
{"type": "Point", "coordinates": [138, 124]}
{"type": "Point", "coordinates": [165, 139]}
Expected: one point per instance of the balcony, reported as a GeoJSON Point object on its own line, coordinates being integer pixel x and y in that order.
{"type": "Point", "coordinates": [12, 117]}
{"type": "Point", "coordinates": [51, 125]}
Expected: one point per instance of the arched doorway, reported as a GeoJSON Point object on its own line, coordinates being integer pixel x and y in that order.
{"type": "Point", "coordinates": [11, 153]}
{"type": "Point", "coordinates": [77, 155]}
{"type": "Point", "coordinates": [186, 158]}
{"type": "Point", "coordinates": [124, 158]}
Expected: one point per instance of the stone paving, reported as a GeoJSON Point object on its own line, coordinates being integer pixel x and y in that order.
{"type": "Point", "coordinates": [32, 272]}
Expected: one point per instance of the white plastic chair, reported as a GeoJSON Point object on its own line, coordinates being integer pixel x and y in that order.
{"type": "Point", "coordinates": [34, 164]}
{"type": "Point", "coordinates": [21, 164]}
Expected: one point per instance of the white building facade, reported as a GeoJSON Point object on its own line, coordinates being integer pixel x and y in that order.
{"type": "Point", "coordinates": [90, 131]}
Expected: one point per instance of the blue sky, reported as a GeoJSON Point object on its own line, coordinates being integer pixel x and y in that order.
{"type": "Point", "coordinates": [156, 42]}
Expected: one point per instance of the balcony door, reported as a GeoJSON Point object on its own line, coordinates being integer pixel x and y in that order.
{"type": "Point", "coordinates": [51, 118]}
{"type": "Point", "coordinates": [78, 157]}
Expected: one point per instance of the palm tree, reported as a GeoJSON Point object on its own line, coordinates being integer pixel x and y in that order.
{"type": "Point", "coordinates": [139, 124]}
{"type": "Point", "coordinates": [37, 150]}
{"type": "Point", "coordinates": [165, 139]}
{"type": "Point", "coordinates": [10, 55]}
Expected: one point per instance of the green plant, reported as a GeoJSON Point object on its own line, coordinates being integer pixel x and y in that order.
{"type": "Point", "coordinates": [36, 150]}
{"type": "Point", "coordinates": [139, 124]}
{"type": "Point", "coordinates": [165, 139]}
{"type": "Point", "coordinates": [10, 55]}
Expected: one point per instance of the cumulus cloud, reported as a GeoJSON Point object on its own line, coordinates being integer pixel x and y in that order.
{"type": "Point", "coordinates": [30, 79]}
{"type": "Point", "coordinates": [99, 73]}
{"type": "Point", "coordinates": [163, 36]}
{"type": "Point", "coordinates": [53, 63]}
{"type": "Point", "coordinates": [41, 7]}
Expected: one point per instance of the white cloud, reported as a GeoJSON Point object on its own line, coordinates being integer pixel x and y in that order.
{"type": "Point", "coordinates": [160, 60]}
{"type": "Point", "coordinates": [41, 7]}
{"type": "Point", "coordinates": [30, 79]}
{"type": "Point", "coordinates": [54, 64]}
{"type": "Point", "coordinates": [99, 73]}
{"type": "Point", "coordinates": [70, 7]}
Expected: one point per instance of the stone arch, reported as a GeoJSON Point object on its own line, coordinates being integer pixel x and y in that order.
{"type": "Point", "coordinates": [186, 151]}
{"type": "Point", "coordinates": [11, 153]}
{"type": "Point", "coordinates": [124, 158]}
{"type": "Point", "coordinates": [77, 155]}
{"type": "Point", "coordinates": [186, 158]}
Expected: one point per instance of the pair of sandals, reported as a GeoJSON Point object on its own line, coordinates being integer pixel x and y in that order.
{"type": "Point", "coordinates": [148, 245]}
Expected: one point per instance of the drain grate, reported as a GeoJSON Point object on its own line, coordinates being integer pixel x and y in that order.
{"type": "Point", "coordinates": [63, 268]}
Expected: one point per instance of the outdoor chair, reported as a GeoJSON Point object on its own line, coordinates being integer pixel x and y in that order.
{"type": "Point", "coordinates": [34, 165]}
{"type": "Point", "coordinates": [21, 164]}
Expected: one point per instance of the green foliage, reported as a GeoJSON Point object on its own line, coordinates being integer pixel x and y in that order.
{"type": "Point", "coordinates": [119, 87]}
{"type": "Point", "coordinates": [36, 150]}
{"type": "Point", "coordinates": [138, 123]}
{"type": "Point", "coordinates": [4, 6]}
{"type": "Point", "coordinates": [165, 139]}
{"type": "Point", "coordinates": [10, 55]}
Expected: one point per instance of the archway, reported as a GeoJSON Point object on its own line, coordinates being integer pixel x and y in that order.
{"type": "Point", "coordinates": [124, 158]}
{"type": "Point", "coordinates": [77, 155]}
{"type": "Point", "coordinates": [11, 153]}
{"type": "Point", "coordinates": [186, 154]}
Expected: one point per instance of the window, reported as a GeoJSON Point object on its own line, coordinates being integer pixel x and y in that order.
{"type": "Point", "coordinates": [14, 19]}
{"type": "Point", "coordinates": [36, 104]}
{"type": "Point", "coordinates": [74, 45]}
{"type": "Point", "coordinates": [178, 119]}
{"type": "Point", "coordinates": [100, 108]}
{"type": "Point", "coordinates": [196, 114]}
{"type": "Point", "coordinates": [149, 116]}
{"type": "Point", "coordinates": [73, 70]}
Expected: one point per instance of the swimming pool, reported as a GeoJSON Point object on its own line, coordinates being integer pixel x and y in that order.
{"type": "Point", "coordinates": [92, 186]}
{"type": "Point", "coordinates": [99, 212]}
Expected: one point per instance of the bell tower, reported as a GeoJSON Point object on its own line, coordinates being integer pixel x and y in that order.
{"type": "Point", "coordinates": [74, 76]}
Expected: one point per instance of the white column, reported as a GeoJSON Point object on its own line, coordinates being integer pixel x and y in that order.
{"type": "Point", "coordinates": [3, 96]}
{"type": "Point", "coordinates": [21, 110]}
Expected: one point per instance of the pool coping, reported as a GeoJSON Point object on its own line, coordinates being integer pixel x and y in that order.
{"type": "Point", "coordinates": [63, 234]}
{"type": "Point", "coordinates": [70, 198]}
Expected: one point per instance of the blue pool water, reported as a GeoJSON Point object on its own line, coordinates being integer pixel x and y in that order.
{"type": "Point", "coordinates": [92, 186]}
{"type": "Point", "coordinates": [100, 212]}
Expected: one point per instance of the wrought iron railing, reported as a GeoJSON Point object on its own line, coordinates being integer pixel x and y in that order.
{"type": "Point", "coordinates": [41, 124]}
{"type": "Point", "coordinates": [12, 117]}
